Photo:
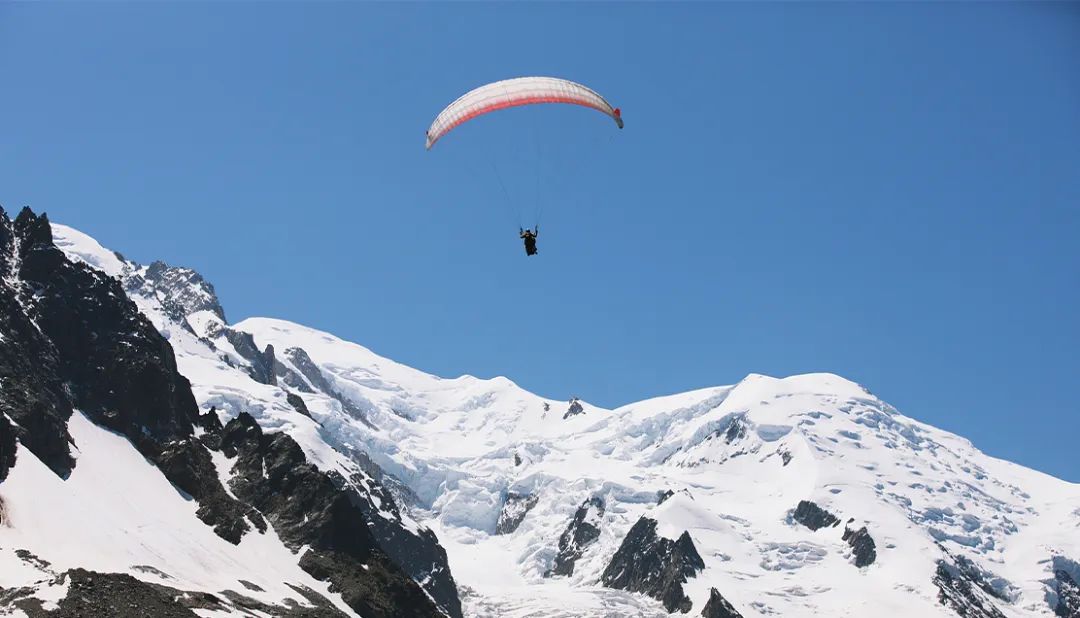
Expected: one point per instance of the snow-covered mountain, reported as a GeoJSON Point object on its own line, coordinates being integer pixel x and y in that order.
{"type": "Point", "coordinates": [803, 496]}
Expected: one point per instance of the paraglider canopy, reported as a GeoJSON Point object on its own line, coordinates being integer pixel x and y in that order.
{"type": "Point", "coordinates": [513, 93]}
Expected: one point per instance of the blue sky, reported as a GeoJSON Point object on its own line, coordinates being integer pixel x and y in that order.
{"type": "Point", "coordinates": [886, 191]}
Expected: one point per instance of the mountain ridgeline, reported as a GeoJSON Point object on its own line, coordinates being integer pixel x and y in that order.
{"type": "Point", "coordinates": [156, 459]}
{"type": "Point", "coordinates": [72, 340]}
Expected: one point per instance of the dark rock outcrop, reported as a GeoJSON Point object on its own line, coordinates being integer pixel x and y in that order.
{"type": "Point", "coordinates": [813, 516]}
{"type": "Point", "coordinates": [182, 291]}
{"type": "Point", "coordinates": [306, 508]}
{"type": "Point", "coordinates": [261, 363]}
{"type": "Point", "coordinates": [654, 566]}
{"type": "Point", "coordinates": [662, 496]}
{"type": "Point", "coordinates": [188, 465]}
{"type": "Point", "coordinates": [574, 409]}
{"type": "Point", "coordinates": [718, 607]}
{"type": "Point", "coordinates": [71, 339]}
{"type": "Point", "coordinates": [862, 544]}
{"type": "Point", "coordinates": [958, 592]}
{"type": "Point", "coordinates": [993, 585]}
{"type": "Point", "coordinates": [583, 529]}
{"type": "Point", "coordinates": [34, 394]}
{"type": "Point", "coordinates": [515, 508]}
{"type": "Point", "coordinates": [312, 378]}
{"type": "Point", "coordinates": [415, 550]}
{"type": "Point", "coordinates": [785, 456]}
{"type": "Point", "coordinates": [119, 595]}
{"type": "Point", "coordinates": [308, 369]}
{"type": "Point", "coordinates": [108, 594]}
{"type": "Point", "coordinates": [736, 430]}
{"type": "Point", "coordinates": [7, 452]}
{"type": "Point", "coordinates": [297, 402]}
{"type": "Point", "coordinates": [1066, 590]}
{"type": "Point", "coordinates": [114, 364]}
{"type": "Point", "coordinates": [89, 347]}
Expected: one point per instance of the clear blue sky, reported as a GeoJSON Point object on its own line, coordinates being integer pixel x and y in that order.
{"type": "Point", "coordinates": [890, 192]}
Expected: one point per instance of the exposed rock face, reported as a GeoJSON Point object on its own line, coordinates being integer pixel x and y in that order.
{"type": "Point", "coordinates": [120, 595]}
{"type": "Point", "coordinates": [306, 508]}
{"type": "Point", "coordinates": [993, 585]}
{"type": "Point", "coordinates": [583, 529]}
{"type": "Point", "coordinates": [415, 550]}
{"type": "Point", "coordinates": [785, 456]}
{"type": "Point", "coordinates": [718, 607]}
{"type": "Point", "coordinates": [311, 378]}
{"type": "Point", "coordinates": [735, 431]}
{"type": "Point", "coordinates": [862, 544]}
{"type": "Point", "coordinates": [101, 594]}
{"type": "Point", "coordinates": [182, 291]}
{"type": "Point", "coordinates": [34, 396]}
{"type": "Point", "coordinates": [957, 591]}
{"type": "Point", "coordinates": [1065, 587]}
{"type": "Point", "coordinates": [188, 465]}
{"type": "Point", "coordinates": [662, 496]}
{"type": "Point", "coordinates": [7, 452]}
{"type": "Point", "coordinates": [655, 566]}
{"type": "Point", "coordinates": [261, 363]}
{"type": "Point", "coordinates": [89, 347]}
{"type": "Point", "coordinates": [70, 338]}
{"type": "Point", "coordinates": [574, 409]}
{"type": "Point", "coordinates": [514, 510]}
{"type": "Point", "coordinates": [1068, 593]}
{"type": "Point", "coordinates": [813, 516]}
{"type": "Point", "coordinates": [297, 402]}
{"type": "Point", "coordinates": [418, 551]}
{"type": "Point", "coordinates": [73, 339]}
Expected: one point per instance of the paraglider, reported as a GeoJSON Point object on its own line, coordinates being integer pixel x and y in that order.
{"type": "Point", "coordinates": [517, 92]}
{"type": "Point", "coordinates": [530, 239]}
{"type": "Point", "coordinates": [514, 93]}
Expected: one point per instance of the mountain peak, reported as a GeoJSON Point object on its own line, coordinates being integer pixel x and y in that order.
{"type": "Point", "coordinates": [925, 524]}
{"type": "Point", "coordinates": [184, 289]}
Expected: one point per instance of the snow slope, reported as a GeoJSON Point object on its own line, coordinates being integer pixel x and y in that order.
{"type": "Point", "coordinates": [117, 513]}
{"type": "Point", "coordinates": [910, 484]}
{"type": "Point", "coordinates": [740, 459]}
{"type": "Point", "coordinates": [138, 523]}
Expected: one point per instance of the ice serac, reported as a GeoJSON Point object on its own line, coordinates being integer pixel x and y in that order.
{"type": "Point", "coordinates": [653, 565]}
